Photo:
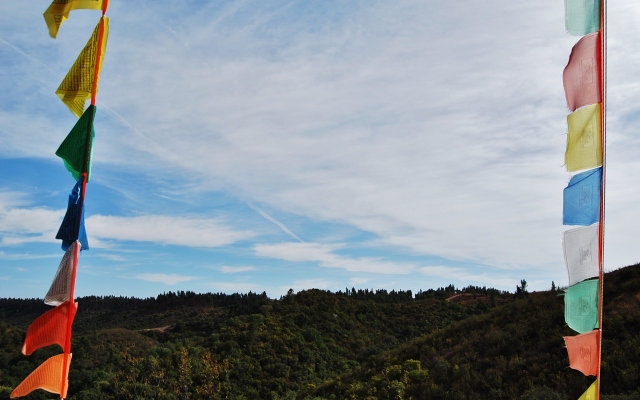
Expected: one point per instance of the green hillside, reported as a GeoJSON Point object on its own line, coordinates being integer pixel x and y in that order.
{"type": "Point", "coordinates": [474, 343]}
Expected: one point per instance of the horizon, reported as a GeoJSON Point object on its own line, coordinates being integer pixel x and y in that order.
{"type": "Point", "coordinates": [243, 146]}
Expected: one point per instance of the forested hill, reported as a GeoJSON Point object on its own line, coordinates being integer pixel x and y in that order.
{"type": "Point", "coordinates": [474, 343]}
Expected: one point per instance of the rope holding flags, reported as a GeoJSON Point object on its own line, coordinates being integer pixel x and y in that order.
{"type": "Point", "coordinates": [585, 91]}
{"type": "Point", "coordinates": [79, 85]}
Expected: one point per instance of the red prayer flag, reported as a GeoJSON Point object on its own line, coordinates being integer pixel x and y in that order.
{"type": "Point", "coordinates": [49, 328]}
{"type": "Point", "coordinates": [581, 75]}
{"type": "Point", "coordinates": [584, 352]}
{"type": "Point", "coordinates": [47, 376]}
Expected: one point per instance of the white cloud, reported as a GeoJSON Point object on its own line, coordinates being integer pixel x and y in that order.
{"type": "Point", "coordinates": [20, 225]}
{"type": "Point", "coordinates": [183, 231]}
{"type": "Point", "coordinates": [26, 256]}
{"type": "Point", "coordinates": [24, 225]}
{"type": "Point", "coordinates": [325, 255]}
{"type": "Point", "coordinates": [235, 270]}
{"type": "Point", "coordinates": [358, 281]}
{"type": "Point", "coordinates": [167, 279]}
{"type": "Point", "coordinates": [113, 257]}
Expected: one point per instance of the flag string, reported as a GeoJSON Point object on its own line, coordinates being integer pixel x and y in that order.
{"type": "Point", "coordinates": [603, 128]}
{"type": "Point", "coordinates": [46, 375]}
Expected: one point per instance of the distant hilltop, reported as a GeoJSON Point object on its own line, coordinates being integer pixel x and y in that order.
{"type": "Point", "coordinates": [367, 344]}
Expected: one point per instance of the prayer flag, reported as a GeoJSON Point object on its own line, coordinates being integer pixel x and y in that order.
{"type": "Point", "coordinates": [584, 352]}
{"type": "Point", "coordinates": [591, 393]}
{"type": "Point", "coordinates": [581, 306]}
{"type": "Point", "coordinates": [73, 149]}
{"type": "Point", "coordinates": [72, 227]}
{"type": "Point", "coordinates": [47, 376]}
{"type": "Point", "coordinates": [61, 286]}
{"type": "Point", "coordinates": [584, 140]}
{"type": "Point", "coordinates": [59, 10]}
{"type": "Point", "coordinates": [49, 328]}
{"type": "Point", "coordinates": [582, 198]}
{"type": "Point", "coordinates": [581, 250]}
{"type": "Point", "coordinates": [77, 86]}
{"type": "Point", "coordinates": [581, 82]}
{"type": "Point", "coordinates": [582, 16]}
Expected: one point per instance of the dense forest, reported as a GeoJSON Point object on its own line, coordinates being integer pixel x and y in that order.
{"type": "Point", "coordinates": [446, 343]}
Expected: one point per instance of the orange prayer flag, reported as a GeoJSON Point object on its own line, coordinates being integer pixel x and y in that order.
{"type": "Point", "coordinates": [584, 352]}
{"type": "Point", "coordinates": [49, 328]}
{"type": "Point", "coordinates": [48, 376]}
{"type": "Point", "coordinates": [580, 76]}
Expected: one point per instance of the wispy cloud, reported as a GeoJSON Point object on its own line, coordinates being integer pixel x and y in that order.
{"type": "Point", "coordinates": [235, 270]}
{"type": "Point", "coordinates": [167, 279]}
{"type": "Point", "coordinates": [358, 280]}
{"type": "Point", "coordinates": [325, 255]}
{"type": "Point", "coordinates": [26, 256]}
{"type": "Point", "coordinates": [113, 257]}
{"type": "Point", "coordinates": [183, 231]}
{"type": "Point", "coordinates": [24, 225]}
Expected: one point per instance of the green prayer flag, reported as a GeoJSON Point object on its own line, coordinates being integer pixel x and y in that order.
{"type": "Point", "coordinates": [581, 306]}
{"type": "Point", "coordinates": [582, 16]}
{"type": "Point", "coordinates": [73, 149]}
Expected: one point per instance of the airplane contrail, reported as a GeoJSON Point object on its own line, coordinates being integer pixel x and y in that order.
{"type": "Point", "coordinates": [275, 221]}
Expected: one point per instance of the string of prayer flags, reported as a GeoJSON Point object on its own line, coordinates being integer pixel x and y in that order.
{"type": "Point", "coordinates": [49, 328]}
{"type": "Point", "coordinates": [584, 140]}
{"type": "Point", "coordinates": [49, 376]}
{"type": "Point", "coordinates": [581, 247]}
{"type": "Point", "coordinates": [582, 17]}
{"type": "Point", "coordinates": [584, 352]}
{"type": "Point", "coordinates": [581, 306]}
{"type": "Point", "coordinates": [581, 77]}
{"type": "Point", "coordinates": [77, 87]}
{"type": "Point", "coordinates": [59, 10]}
{"type": "Point", "coordinates": [60, 288]}
{"type": "Point", "coordinates": [591, 393]}
{"type": "Point", "coordinates": [582, 198]}
{"type": "Point", "coordinates": [72, 227]}
{"type": "Point", "coordinates": [73, 149]}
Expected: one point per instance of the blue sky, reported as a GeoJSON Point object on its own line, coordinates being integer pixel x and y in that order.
{"type": "Point", "coordinates": [262, 146]}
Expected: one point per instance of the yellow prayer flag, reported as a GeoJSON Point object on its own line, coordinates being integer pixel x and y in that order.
{"type": "Point", "coordinates": [584, 139]}
{"type": "Point", "coordinates": [59, 10]}
{"type": "Point", "coordinates": [76, 88]}
{"type": "Point", "coordinates": [48, 376]}
{"type": "Point", "coordinates": [591, 393]}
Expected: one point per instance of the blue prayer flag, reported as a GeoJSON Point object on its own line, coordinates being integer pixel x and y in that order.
{"type": "Point", "coordinates": [72, 227]}
{"type": "Point", "coordinates": [582, 198]}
